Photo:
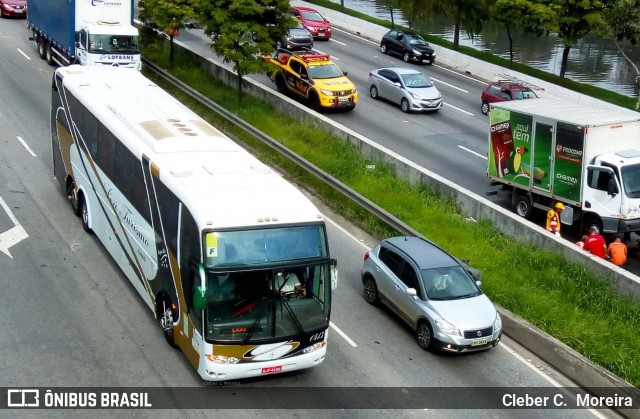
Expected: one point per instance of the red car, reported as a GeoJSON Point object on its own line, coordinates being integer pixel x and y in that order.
{"type": "Point", "coordinates": [313, 21]}
{"type": "Point", "coordinates": [13, 8]}
{"type": "Point", "coordinates": [503, 90]}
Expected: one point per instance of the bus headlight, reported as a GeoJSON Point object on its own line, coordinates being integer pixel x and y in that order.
{"type": "Point", "coordinates": [314, 347]}
{"type": "Point", "coordinates": [221, 359]}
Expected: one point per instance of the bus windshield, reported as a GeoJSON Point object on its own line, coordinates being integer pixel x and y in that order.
{"type": "Point", "coordinates": [264, 246]}
{"type": "Point", "coordinates": [264, 304]}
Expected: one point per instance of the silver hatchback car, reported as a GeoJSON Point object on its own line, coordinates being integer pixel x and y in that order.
{"type": "Point", "coordinates": [409, 88]}
{"type": "Point", "coordinates": [432, 291]}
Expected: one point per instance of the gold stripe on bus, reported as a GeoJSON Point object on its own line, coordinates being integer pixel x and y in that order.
{"type": "Point", "coordinates": [65, 140]}
{"type": "Point", "coordinates": [184, 342]}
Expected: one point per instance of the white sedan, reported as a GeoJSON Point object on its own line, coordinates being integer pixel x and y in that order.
{"type": "Point", "coordinates": [407, 87]}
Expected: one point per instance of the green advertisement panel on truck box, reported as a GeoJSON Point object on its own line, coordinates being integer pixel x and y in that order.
{"type": "Point", "coordinates": [522, 152]}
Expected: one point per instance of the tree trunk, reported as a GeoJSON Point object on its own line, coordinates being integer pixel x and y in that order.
{"type": "Point", "coordinates": [563, 65]}
{"type": "Point", "coordinates": [510, 47]}
{"type": "Point", "coordinates": [171, 51]}
{"type": "Point", "coordinates": [456, 35]}
{"type": "Point", "coordinates": [391, 11]}
{"type": "Point", "coordinates": [239, 88]}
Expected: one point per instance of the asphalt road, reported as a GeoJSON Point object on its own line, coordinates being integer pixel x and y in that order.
{"type": "Point", "coordinates": [70, 317]}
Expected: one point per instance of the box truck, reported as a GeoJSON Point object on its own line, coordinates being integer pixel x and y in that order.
{"type": "Point", "coordinates": [544, 151]}
{"type": "Point", "coordinates": [86, 32]}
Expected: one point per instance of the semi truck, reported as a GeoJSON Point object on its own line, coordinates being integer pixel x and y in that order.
{"type": "Point", "coordinates": [86, 32]}
{"type": "Point", "coordinates": [544, 151]}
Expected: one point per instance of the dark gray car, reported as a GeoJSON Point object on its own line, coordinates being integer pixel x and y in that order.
{"type": "Point", "coordinates": [296, 39]}
{"type": "Point", "coordinates": [432, 291]}
{"type": "Point", "coordinates": [409, 45]}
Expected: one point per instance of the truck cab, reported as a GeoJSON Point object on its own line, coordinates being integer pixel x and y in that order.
{"type": "Point", "coordinates": [103, 43]}
{"type": "Point", "coordinates": [612, 191]}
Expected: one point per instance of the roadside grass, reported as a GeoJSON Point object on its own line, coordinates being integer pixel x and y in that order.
{"type": "Point", "coordinates": [561, 298]}
{"type": "Point", "coordinates": [589, 90]}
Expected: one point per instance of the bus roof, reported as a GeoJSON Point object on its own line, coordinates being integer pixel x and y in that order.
{"type": "Point", "coordinates": [221, 183]}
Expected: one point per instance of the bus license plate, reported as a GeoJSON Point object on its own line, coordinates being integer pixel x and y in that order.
{"type": "Point", "coordinates": [478, 342]}
{"type": "Point", "coordinates": [271, 370]}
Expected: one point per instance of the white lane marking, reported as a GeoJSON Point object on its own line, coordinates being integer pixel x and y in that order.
{"type": "Point", "coordinates": [543, 374]}
{"type": "Point", "coordinates": [14, 235]}
{"type": "Point", "coordinates": [472, 152]}
{"type": "Point", "coordinates": [338, 42]}
{"type": "Point", "coordinates": [458, 109]}
{"type": "Point", "coordinates": [322, 52]}
{"type": "Point", "coordinates": [24, 143]}
{"type": "Point", "coordinates": [346, 233]}
{"type": "Point", "coordinates": [25, 55]}
{"type": "Point", "coordinates": [341, 333]}
{"type": "Point", "coordinates": [450, 85]}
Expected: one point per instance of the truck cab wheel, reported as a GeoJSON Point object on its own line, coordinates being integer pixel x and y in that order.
{"type": "Point", "coordinates": [594, 222]}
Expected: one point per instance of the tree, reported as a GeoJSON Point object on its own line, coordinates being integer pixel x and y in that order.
{"type": "Point", "coordinates": [413, 10]}
{"type": "Point", "coordinates": [467, 14]}
{"type": "Point", "coordinates": [243, 31]}
{"type": "Point", "coordinates": [533, 18]}
{"type": "Point", "coordinates": [573, 20]}
{"type": "Point", "coordinates": [168, 15]}
{"type": "Point", "coordinates": [623, 23]}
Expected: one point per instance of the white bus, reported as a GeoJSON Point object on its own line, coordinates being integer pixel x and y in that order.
{"type": "Point", "coordinates": [201, 228]}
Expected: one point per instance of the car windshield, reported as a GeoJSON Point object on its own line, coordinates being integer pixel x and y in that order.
{"type": "Point", "coordinates": [449, 283]}
{"type": "Point", "coordinates": [416, 40]}
{"type": "Point", "coordinates": [262, 304]}
{"type": "Point", "coordinates": [312, 16]}
{"type": "Point", "coordinates": [524, 94]}
{"type": "Point", "coordinates": [324, 71]}
{"type": "Point", "coordinates": [416, 80]}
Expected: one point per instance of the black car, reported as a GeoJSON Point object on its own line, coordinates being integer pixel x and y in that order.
{"type": "Point", "coordinates": [297, 38]}
{"type": "Point", "coordinates": [409, 45]}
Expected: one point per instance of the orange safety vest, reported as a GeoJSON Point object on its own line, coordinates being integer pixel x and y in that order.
{"type": "Point", "coordinates": [618, 253]}
{"type": "Point", "coordinates": [553, 221]}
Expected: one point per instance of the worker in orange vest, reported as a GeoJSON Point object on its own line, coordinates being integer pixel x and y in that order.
{"type": "Point", "coordinates": [553, 218]}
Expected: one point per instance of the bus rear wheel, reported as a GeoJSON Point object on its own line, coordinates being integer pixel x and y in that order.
{"type": "Point", "coordinates": [166, 322]}
{"type": "Point", "coordinates": [75, 197]}
{"type": "Point", "coordinates": [84, 215]}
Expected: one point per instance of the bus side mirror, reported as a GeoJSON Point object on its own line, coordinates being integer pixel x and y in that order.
{"type": "Point", "coordinates": [334, 273]}
{"type": "Point", "coordinates": [199, 298]}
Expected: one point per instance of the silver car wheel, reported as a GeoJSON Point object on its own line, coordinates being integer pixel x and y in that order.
{"type": "Point", "coordinates": [406, 57]}
{"type": "Point", "coordinates": [383, 48]}
{"type": "Point", "coordinates": [424, 335]}
{"type": "Point", "coordinates": [374, 92]}
{"type": "Point", "coordinates": [404, 104]}
{"type": "Point", "coordinates": [485, 108]}
{"type": "Point", "coordinates": [370, 291]}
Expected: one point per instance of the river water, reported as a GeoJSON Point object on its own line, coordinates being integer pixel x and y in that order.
{"type": "Point", "coordinates": [592, 60]}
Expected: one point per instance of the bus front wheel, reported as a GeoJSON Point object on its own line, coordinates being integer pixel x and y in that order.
{"type": "Point", "coordinates": [166, 322]}
{"type": "Point", "coordinates": [84, 216]}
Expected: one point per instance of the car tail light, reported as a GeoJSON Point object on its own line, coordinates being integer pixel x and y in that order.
{"type": "Point", "coordinates": [366, 256]}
